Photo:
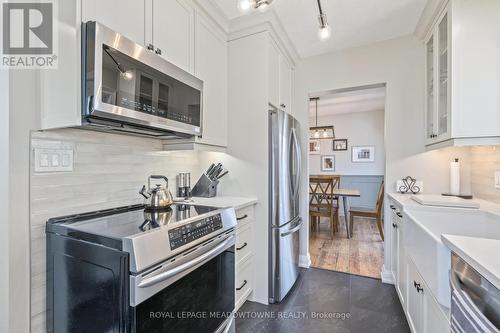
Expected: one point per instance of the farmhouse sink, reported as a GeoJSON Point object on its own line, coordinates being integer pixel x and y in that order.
{"type": "Point", "coordinates": [423, 231]}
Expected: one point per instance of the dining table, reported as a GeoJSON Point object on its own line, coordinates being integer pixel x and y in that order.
{"type": "Point", "coordinates": [346, 193]}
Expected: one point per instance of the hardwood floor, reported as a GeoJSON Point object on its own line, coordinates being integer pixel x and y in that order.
{"type": "Point", "coordinates": [363, 254]}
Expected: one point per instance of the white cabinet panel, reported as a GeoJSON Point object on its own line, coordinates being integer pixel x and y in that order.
{"type": "Point", "coordinates": [124, 16]}
{"type": "Point", "coordinates": [274, 73]}
{"type": "Point", "coordinates": [285, 84]}
{"type": "Point", "coordinates": [415, 299]}
{"type": "Point", "coordinates": [394, 245]}
{"type": "Point", "coordinates": [401, 282]}
{"type": "Point", "coordinates": [60, 88]}
{"type": "Point", "coordinates": [211, 67]}
{"type": "Point", "coordinates": [172, 33]}
{"type": "Point", "coordinates": [434, 319]}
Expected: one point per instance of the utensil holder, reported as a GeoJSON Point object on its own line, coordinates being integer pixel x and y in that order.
{"type": "Point", "coordinates": [205, 187]}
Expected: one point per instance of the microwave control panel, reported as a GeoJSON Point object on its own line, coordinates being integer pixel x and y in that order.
{"type": "Point", "coordinates": [190, 232]}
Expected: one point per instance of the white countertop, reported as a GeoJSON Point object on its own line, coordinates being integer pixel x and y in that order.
{"type": "Point", "coordinates": [236, 202]}
{"type": "Point", "coordinates": [480, 253]}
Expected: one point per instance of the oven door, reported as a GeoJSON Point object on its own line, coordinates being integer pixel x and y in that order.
{"type": "Point", "coordinates": [193, 292]}
{"type": "Point", "coordinates": [124, 82]}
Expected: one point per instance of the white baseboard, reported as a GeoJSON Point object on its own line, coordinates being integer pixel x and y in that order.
{"type": "Point", "coordinates": [386, 276]}
{"type": "Point", "coordinates": [305, 260]}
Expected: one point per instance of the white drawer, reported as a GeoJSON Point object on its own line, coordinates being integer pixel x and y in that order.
{"type": "Point", "coordinates": [244, 243]}
{"type": "Point", "coordinates": [245, 215]}
{"type": "Point", "coordinates": [243, 282]}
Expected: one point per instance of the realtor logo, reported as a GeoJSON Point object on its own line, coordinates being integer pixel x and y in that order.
{"type": "Point", "coordinates": [28, 35]}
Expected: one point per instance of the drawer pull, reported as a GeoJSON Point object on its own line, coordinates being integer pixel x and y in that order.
{"type": "Point", "coordinates": [392, 207]}
{"type": "Point", "coordinates": [242, 247]}
{"type": "Point", "coordinates": [399, 214]}
{"type": "Point", "coordinates": [244, 284]}
{"type": "Point", "coordinates": [394, 225]}
{"type": "Point", "coordinates": [241, 218]}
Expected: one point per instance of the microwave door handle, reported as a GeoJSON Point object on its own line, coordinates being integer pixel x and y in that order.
{"type": "Point", "coordinates": [190, 264]}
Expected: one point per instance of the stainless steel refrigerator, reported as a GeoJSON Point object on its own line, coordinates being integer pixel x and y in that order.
{"type": "Point", "coordinates": [284, 218]}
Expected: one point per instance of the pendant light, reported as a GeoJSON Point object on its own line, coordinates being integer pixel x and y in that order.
{"type": "Point", "coordinates": [320, 132]}
{"type": "Point", "coordinates": [324, 31]}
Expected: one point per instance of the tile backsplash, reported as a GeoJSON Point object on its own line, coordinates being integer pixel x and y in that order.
{"type": "Point", "coordinates": [485, 161]}
{"type": "Point", "coordinates": [108, 171]}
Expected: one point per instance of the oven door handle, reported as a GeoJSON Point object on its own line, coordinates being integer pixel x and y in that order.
{"type": "Point", "coordinates": [190, 264]}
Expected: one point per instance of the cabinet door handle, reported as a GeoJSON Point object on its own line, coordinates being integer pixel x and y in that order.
{"type": "Point", "coordinates": [392, 207]}
{"type": "Point", "coordinates": [150, 47]}
{"type": "Point", "coordinates": [399, 214]}
{"type": "Point", "coordinates": [283, 105]}
{"type": "Point", "coordinates": [394, 225]}
{"type": "Point", "coordinates": [244, 284]}
{"type": "Point", "coordinates": [242, 247]}
{"type": "Point", "coordinates": [241, 218]}
{"type": "Point", "coordinates": [419, 289]}
{"type": "Point", "coordinates": [417, 286]}
{"type": "Point", "coordinates": [158, 51]}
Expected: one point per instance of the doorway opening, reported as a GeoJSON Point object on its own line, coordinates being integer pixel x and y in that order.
{"type": "Point", "coordinates": [346, 180]}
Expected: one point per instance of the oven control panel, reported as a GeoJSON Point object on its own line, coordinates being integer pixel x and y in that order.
{"type": "Point", "coordinates": [190, 232]}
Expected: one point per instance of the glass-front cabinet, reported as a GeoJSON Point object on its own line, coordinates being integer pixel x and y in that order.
{"type": "Point", "coordinates": [438, 82]}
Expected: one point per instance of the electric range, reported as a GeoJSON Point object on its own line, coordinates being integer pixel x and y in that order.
{"type": "Point", "coordinates": [126, 264]}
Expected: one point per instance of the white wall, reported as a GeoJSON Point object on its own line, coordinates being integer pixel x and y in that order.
{"type": "Point", "coordinates": [360, 129]}
{"type": "Point", "coordinates": [400, 64]}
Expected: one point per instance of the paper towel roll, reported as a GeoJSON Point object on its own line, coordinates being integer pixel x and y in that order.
{"type": "Point", "coordinates": [455, 177]}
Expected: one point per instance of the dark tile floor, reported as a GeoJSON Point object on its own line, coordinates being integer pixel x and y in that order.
{"type": "Point", "coordinates": [366, 305]}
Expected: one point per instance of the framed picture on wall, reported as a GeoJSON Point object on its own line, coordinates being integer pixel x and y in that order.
{"type": "Point", "coordinates": [314, 147]}
{"type": "Point", "coordinates": [328, 163]}
{"type": "Point", "coordinates": [339, 144]}
{"type": "Point", "coordinates": [363, 154]}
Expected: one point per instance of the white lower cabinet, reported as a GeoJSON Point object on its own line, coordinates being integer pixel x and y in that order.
{"type": "Point", "coordinates": [244, 255]}
{"type": "Point", "coordinates": [415, 299]}
{"type": "Point", "coordinates": [423, 312]}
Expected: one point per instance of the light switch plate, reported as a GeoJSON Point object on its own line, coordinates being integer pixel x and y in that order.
{"type": "Point", "coordinates": [53, 160]}
{"type": "Point", "coordinates": [497, 179]}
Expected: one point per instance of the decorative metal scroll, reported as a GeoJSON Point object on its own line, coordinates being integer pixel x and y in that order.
{"type": "Point", "coordinates": [409, 185]}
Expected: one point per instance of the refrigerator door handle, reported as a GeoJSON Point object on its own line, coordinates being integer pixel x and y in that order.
{"type": "Point", "coordinates": [299, 162]}
{"type": "Point", "coordinates": [294, 229]}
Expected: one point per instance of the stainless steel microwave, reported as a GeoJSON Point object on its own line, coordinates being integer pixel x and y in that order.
{"type": "Point", "coordinates": [128, 88]}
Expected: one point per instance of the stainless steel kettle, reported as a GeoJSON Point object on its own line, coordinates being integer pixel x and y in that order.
{"type": "Point", "coordinates": [158, 197]}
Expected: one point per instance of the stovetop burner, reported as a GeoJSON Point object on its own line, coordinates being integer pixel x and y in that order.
{"type": "Point", "coordinates": [129, 221]}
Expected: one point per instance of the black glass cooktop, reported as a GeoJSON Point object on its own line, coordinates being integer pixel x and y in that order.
{"type": "Point", "coordinates": [128, 221]}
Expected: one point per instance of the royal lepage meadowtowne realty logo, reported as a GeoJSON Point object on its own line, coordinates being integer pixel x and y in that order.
{"type": "Point", "coordinates": [29, 38]}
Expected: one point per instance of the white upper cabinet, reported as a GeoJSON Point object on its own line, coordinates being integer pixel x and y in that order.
{"type": "Point", "coordinates": [211, 67]}
{"type": "Point", "coordinates": [285, 101]}
{"type": "Point", "coordinates": [280, 77]}
{"type": "Point", "coordinates": [462, 81]}
{"type": "Point", "coordinates": [274, 73]}
{"type": "Point", "coordinates": [124, 16]}
{"type": "Point", "coordinates": [171, 31]}
{"type": "Point", "coordinates": [438, 87]}
{"type": "Point", "coordinates": [60, 88]}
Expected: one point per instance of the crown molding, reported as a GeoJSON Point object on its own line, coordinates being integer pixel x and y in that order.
{"type": "Point", "coordinates": [264, 21]}
{"type": "Point", "coordinates": [214, 12]}
{"type": "Point", "coordinates": [428, 17]}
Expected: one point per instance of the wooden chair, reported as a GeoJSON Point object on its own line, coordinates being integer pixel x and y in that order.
{"type": "Point", "coordinates": [322, 202]}
{"type": "Point", "coordinates": [370, 213]}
